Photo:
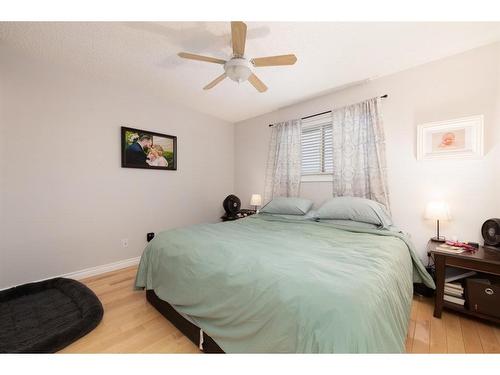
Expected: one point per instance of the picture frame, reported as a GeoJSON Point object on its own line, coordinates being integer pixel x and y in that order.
{"type": "Point", "coordinates": [148, 150]}
{"type": "Point", "coordinates": [460, 138]}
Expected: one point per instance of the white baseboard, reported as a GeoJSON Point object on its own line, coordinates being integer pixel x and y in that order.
{"type": "Point", "coordinates": [92, 271]}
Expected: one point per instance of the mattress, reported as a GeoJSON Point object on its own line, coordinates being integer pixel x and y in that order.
{"type": "Point", "coordinates": [267, 285]}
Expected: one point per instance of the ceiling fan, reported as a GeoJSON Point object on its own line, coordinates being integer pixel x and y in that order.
{"type": "Point", "coordinates": [238, 67]}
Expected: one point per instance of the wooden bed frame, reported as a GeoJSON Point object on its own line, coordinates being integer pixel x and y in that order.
{"type": "Point", "coordinates": [191, 331]}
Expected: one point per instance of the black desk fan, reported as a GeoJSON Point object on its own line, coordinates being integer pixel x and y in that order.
{"type": "Point", "coordinates": [232, 205]}
{"type": "Point", "coordinates": [491, 233]}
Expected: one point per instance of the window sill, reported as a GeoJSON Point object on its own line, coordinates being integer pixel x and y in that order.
{"type": "Point", "coordinates": [326, 177]}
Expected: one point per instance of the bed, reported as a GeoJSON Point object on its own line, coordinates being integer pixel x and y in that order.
{"type": "Point", "coordinates": [273, 285]}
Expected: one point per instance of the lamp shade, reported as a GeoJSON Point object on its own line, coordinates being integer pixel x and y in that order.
{"type": "Point", "coordinates": [437, 210]}
{"type": "Point", "coordinates": [256, 200]}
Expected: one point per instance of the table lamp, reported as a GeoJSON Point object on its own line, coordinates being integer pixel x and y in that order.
{"type": "Point", "coordinates": [256, 201]}
{"type": "Point", "coordinates": [437, 210]}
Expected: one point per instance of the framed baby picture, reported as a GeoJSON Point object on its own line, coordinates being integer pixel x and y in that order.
{"type": "Point", "coordinates": [148, 150]}
{"type": "Point", "coordinates": [451, 139]}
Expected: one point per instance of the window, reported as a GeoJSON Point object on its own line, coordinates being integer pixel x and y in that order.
{"type": "Point", "coordinates": [316, 148]}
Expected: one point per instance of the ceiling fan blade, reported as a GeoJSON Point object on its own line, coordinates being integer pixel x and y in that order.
{"type": "Point", "coordinates": [257, 83]}
{"type": "Point", "coordinates": [274, 60]}
{"type": "Point", "coordinates": [215, 81]}
{"type": "Point", "coordinates": [238, 37]}
{"type": "Point", "coordinates": [192, 56]}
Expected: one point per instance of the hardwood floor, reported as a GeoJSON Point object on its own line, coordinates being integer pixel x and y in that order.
{"type": "Point", "coordinates": [132, 325]}
{"type": "Point", "coordinates": [453, 333]}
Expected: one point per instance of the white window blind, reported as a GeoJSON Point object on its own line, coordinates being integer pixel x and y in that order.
{"type": "Point", "coordinates": [316, 145]}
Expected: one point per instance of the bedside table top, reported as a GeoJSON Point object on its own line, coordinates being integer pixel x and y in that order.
{"type": "Point", "coordinates": [239, 215]}
{"type": "Point", "coordinates": [483, 254]}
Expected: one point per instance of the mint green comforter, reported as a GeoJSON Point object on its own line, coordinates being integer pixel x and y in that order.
{"type": "Point", "coordinates": [269, 285]}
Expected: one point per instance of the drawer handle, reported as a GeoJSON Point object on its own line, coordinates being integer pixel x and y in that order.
{"type": "Point", "coordinates": [489, 291]}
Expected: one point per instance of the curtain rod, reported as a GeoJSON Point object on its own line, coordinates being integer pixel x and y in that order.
{"type": "Point", "coordinates": [324, 113]}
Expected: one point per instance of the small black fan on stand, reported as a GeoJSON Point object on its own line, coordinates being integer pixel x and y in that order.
{"type": "Point", "coordinates": [491, 233]}
{"type": "Point", "coordinates": [232, 205]}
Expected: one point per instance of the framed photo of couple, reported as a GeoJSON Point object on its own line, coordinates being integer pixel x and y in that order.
{"type": "Point", "coordinates": [148, 150]}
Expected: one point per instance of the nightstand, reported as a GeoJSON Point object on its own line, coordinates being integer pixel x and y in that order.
{"type": "Point", "coordinates": [240, 215]}
{"type": "Point", "coordinates": [484, 260]}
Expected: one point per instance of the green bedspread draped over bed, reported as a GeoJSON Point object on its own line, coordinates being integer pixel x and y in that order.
{"type": "Point", "coordinates": [262, 284]}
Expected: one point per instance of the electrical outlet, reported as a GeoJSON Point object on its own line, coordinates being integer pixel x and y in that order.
{"type": "Point", "coordinates": [124, 242]}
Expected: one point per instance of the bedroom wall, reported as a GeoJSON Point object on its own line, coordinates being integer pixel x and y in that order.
{"type": "Point", "coordinates": [462, 85]}
{"type": "Point", "coordinates": [496, 148]}
{"type": "Point", "coordinates": [65, 202]}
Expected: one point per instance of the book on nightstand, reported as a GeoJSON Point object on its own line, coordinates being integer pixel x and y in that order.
{"type": "Point", "coordinates": [456, 300]}
{"type": "Point", "coordinates": [454, 291]}
{"type": "Point", "coordinates": [456, 286]}
{"type": "Point", "coordinates": [450, 249]}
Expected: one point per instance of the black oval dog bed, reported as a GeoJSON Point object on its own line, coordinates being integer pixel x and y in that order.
{"type": "Point", "coordinates": [46, 316]}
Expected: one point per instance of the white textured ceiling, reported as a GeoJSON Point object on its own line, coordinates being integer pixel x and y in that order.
{"type": "Point", "coordinates": [330, 55]}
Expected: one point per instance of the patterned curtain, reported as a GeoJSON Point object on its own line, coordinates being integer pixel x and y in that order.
{"type": "Point", "coordinates": [283, 161]}
{"type": "Point", "coordinates": [359, 165]}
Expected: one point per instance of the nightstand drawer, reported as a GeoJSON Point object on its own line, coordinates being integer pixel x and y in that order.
{"type": "Point", "coordinates": [484, 297]}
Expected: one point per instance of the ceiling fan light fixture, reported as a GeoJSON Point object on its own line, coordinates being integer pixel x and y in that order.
{"type": "Point", "coordinates": [238, 69]}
